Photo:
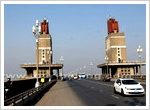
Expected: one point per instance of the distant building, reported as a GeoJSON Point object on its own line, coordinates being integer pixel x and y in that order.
{"type": "Point", "coordinates": [44, 57]}
{"type": "Point", "coordinates": [116, 55]}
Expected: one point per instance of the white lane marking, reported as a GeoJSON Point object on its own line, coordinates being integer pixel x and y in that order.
{"type": "Point", "coordinates": [101, 90]}
{"type": "Point", "coordinates": [101, 83]}
{"type": "Point", "coordinates": [92, 87]}
{"type": "Point", "coordinates": [115, 96]}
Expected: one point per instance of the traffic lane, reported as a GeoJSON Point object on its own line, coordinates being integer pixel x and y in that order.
{"type": "Point", "coordinates": [93, 95]}
{"type": "Point", "coordinates": [129, 100]}
{"type": "Point", "coordinates": [112, 82]}
{"type": "Point", "coordinates": [98, 91]}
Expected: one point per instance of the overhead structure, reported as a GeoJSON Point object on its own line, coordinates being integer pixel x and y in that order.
{"type": "Point", "coordinates": [44, 55]}
{"type": "Point", "coordinates": [44, 27]}
{"type": "Point", "coordinates": [115, 49]}
{"type": "Point", "coordinates": [115, 42]}
{"type": "Point", "coordinates": [113, 26]}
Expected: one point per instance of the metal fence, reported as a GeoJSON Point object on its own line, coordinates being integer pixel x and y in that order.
{"type": "Point", "coordinates": [29, 97]}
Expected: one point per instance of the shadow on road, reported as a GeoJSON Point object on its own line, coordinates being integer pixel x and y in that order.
{"type": "Point", "coordinates": [134, 101]}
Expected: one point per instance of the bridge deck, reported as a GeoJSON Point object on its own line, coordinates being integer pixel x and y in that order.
{"type": "Point", "coordinates": [60, 94]}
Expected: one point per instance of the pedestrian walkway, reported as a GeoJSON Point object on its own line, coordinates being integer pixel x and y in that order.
{"type": "Point", "coordinates": [60, 94]}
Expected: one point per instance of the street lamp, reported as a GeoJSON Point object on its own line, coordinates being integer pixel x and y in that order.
{"type": "Point", "coordinates": [50, 59]}
{"type": "Point", "coordinates": [106, 59]}
{"type": "Point", "coordinates": [91, 64]}
{"type": "Point", "coordinates": [139, 51]}
{"type": "Point", "coordinates": [84, 69]}
{"type": "Point", "coordinates": [61, 60]}
{"type": "Point", "coordinates": [36, 31]}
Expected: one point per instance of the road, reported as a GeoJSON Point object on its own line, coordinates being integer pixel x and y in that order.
{"type": "Point", "coordinates": [87, 92]}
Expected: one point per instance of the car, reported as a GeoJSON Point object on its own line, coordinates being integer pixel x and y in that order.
{"type": "Point", "coordinates": [75, 77]}
{"type": "Point", "coordinates": [128, 86]}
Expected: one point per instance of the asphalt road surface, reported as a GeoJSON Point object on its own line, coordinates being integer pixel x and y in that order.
{"type": "Point", "coordinates": [86, 92]}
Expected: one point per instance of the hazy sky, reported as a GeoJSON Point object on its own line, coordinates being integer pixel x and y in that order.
{"type": "Point", "coordinates": [78, 33]}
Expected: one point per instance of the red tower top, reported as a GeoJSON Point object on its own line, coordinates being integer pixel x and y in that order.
{"type": "Point", "coordinates": [113, 26]}
{"type": "Point", "coordinates": [44, 27]}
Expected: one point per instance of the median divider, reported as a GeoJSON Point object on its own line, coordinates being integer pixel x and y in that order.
{"type": "Point", "coordinates": [29, 97]}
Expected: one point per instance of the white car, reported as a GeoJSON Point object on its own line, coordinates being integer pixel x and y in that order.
{"type": "Point", "coordinates": [75, 77]}
{"type": "Point", "coordinates": [128, 87]}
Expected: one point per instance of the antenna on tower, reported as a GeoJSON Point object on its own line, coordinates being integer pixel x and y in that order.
{"type": "Point", "coordinates": [109, 16]}
{"type": "Point", "coordinates": [33, 30]}
{"type": "Point", "coordinates": [45, 18]}
{"type": "Point", "coordinates": [37, 23]}
{"type": "Point", "coordinates": [39, 29]}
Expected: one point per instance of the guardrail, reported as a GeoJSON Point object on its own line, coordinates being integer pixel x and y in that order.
{"type": "Point", "coordinates": [29, 97]}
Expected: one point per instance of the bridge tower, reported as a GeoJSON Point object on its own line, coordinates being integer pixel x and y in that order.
{"type": "Point", "coordinates": [44, 44]}
{"type": "Point", "coordinates": [116, 56]}
{"type": "Point", "coordinates": [115, 45]}
{"type": "Point", "coordinates": [44, 56]}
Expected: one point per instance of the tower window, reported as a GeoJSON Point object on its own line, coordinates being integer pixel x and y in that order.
{"type": "Point", "coordinates": [43, 51]}
{"type": "Point", "coordinates": [119, 60]}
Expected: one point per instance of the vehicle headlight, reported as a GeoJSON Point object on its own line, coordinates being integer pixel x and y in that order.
{"type": "Point", "coordinates": [127, 88]}
{"type": "Point", "coordinates": [141, 88]}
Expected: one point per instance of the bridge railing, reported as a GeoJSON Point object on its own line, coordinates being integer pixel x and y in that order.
{"type": "Point", "coordinates": [28, 97]}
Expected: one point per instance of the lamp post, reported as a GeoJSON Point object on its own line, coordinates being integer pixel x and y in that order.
{"type": "Point", "coordinates": [91, 64]}
{"type": "Point", "coordinates": [61, 60]}
{"type": "Point", "coordinates": [106, 59]}
{"type": "Point", "coordinates": [36, 31]}
{"type": "Point", "coordinates": [50, 60]}
{"type": "Point", "coordinates": [84, 69]}
{"type": "Point", "coordinates": [139, 51]}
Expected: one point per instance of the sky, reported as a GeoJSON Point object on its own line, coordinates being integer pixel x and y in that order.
{"type": "Point", "coordinates": [78, 33]}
